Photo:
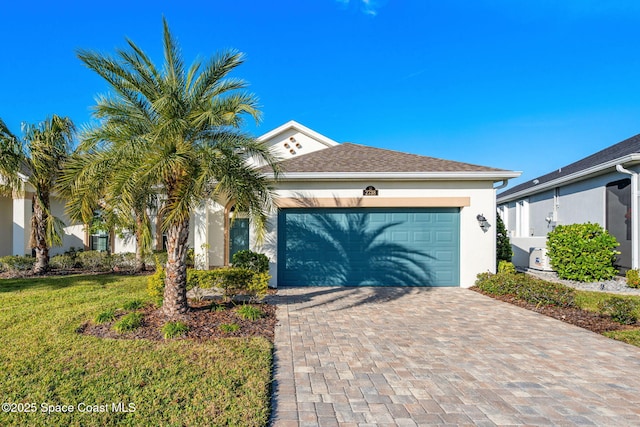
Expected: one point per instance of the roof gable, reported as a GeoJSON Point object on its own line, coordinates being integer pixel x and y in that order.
{"type": "Point", "coordinates": [293, 140]}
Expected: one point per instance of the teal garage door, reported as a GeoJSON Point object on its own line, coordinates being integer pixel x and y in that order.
{"type": "Point", "coordinates": [369, 247]}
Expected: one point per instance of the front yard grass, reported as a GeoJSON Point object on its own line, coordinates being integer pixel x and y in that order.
{"type": "Point", "coordinates": [45, 364]}
{"type": "Point", "coordinates": [589, 300]}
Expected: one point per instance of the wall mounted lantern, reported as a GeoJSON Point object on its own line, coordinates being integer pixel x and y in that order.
{"type": "Point", "coordinates": [482, 221]}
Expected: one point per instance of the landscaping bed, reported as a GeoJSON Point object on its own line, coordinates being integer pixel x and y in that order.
{"type": "Point", "coordinates": [204, 321]}
{"type": "Point", "coordinates": [575, 316]}
{"type": "Point", "coordinates": [613, 315]}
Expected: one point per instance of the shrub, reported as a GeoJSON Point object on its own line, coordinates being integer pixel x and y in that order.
{"type": "Point", "coordinates": [232, 281]}
{"type": "Point", "coordinates": [622, 310]}
{"type": "Point", "coordinates": [582, 252]}
{"type": "Point", "coordinates": [174, 330]}
{"type": "Point", "coordinates": [128, 322]}
{"type": "Point", "coordinates": [218, 307]}
{"type": "Point", "coordinates": [506, 267]}
{"type": "Point", "coordinates": [125, 261]}
{"type": "Point", "coordinates": [105, 316]}
{"type": "Point", "coordinates": [633, 278]}
{"type": "Point", "coordinates": [251, 261]}
{"type": "Point", "coordinates": [16, 263]}
{"type": "Point", "coordinates": [157, 258]}
{"type": "Point", "coordinates": [133, 305]}
{"type": "Point", "coordinates": [155, 284]}
{"type": "Point", "coordinates": [94, 260]}
{"type": "Point", "coordinates": [249, 312]}
{"type": "Point", "coordinates": [62, 262]}
{"type": "Point", "coordinates": [527, 288]}
{"type": "Point", "coordinates": [503, 245]}
{"type": "Point", "coordinates": [229, 327]}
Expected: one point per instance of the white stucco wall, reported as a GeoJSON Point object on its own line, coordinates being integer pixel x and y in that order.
{"type": "Point", "coordinates": [477, 248]}
{"type": "Point", "coordinates": [6, 225]}
{"type": "Point", "coordinates": [21, 226]}
{"type": "Point", "coordinates": [73, 233]}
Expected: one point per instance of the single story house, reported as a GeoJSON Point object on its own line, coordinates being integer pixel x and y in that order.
{"type": "Point", "coordinates": [346, 215]}
{"type": "Point", "coordinates": [601, 188]}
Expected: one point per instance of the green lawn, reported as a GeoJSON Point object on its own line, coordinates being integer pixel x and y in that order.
{"type": "Point", "coordinates": [589, 300]}
{"type": "Point", "coordinates": [43, 362]}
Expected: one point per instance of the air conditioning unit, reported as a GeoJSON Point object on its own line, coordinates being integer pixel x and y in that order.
{"type": "Point", "coordinates": [538, 259]}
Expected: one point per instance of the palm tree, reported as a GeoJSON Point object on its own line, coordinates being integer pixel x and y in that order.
{"type": "Point", "coordinates": [88, 182]}
{"type": "Point", "coordinates": [42, 153]}
{"type": "Point", "coordinates": [179, 130]}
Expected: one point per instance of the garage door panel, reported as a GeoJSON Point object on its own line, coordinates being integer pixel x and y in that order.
{"type": "Point", "coordinates": [368, 247]}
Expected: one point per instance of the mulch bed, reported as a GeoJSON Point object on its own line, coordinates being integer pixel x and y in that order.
{"type": "Point", "coordinates": [204, 324]}
{"type": "Point", "coordinates": [575, 316]}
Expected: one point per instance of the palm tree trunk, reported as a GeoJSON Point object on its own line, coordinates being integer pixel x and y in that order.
{"type": "Point", "coordinates": [175, 284]}
{"type": "Point", "coordinates": [38, 238]}
{"type": "Point", "coordinates": [140, 266]}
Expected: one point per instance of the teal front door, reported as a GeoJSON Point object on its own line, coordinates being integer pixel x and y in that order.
{"type": "Point", "coordinates": [238, 236]}
{"type": "Point", "coordinates": [369, 247]}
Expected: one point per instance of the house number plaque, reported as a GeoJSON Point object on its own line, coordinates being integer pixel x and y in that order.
{"type": "Point", "coordinates": [370, 191]}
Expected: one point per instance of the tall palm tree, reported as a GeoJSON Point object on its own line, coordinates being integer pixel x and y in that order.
{"type": "Point", "coordinates": [180, 131]}
{"type": "Point", "coordinates": [42, 153]}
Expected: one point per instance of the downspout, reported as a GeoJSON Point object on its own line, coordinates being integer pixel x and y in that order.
{"type": "Point", "coordinates": [634, 214]}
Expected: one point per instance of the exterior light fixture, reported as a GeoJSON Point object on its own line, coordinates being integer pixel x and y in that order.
{"type": "Point", "coordinates": [482, 221]}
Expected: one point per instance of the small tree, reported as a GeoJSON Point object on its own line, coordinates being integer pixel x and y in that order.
{"type": "Point", "coordinates": [583, 252]}
{"type": "Point", "coordinates": [40, 154]}
{"type": "Point", "coordinates": [503, 244]}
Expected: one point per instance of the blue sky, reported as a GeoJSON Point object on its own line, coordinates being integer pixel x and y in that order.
{"type": "Point", "coordinates": [521, 85]}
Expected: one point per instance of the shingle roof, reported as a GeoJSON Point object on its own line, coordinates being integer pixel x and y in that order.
{"type": "Point", "coordinates": [354, 158]}
{"type": "Point", "coordinates": [616, 151]}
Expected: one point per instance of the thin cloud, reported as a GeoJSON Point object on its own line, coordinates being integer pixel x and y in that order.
{"type": "Point", "coordinates": [368, 7]}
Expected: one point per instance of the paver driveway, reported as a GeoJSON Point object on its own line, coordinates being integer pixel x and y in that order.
{"type": "Point", "coordinates": [417, 356]}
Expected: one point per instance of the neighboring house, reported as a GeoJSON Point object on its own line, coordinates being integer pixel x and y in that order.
{"type": "Point", "coordinates": [352, 215]}
{"type": "Point", "coordinates": [601, 188]}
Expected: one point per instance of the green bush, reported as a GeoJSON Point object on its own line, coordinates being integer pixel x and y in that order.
{"type": "Point", "coordinates": [157, 258]}
{"type": "Point", "coordinates": [633, 278]}
{"type": "Point", "coordinates": [503, 245]}
{"type": "Point", "coordinates": [251, 261]}
{"type": "Point", "coordinates": [125, 261]}
{"type": "Point", "coordinates": [174, 329]}
{"type": "Point", "coordinates": [249, 312]}
{"type": "Point", "coordinates": [128, 322]}
{"type": "Point", "coordinates": [229, 327]}
{"type": "Point", "coordinates": [155, 285]}
{"type": "Point", "coordinates": [16, 263]}
{"type": "Point", "coordinates": [134, 304]}
{"type": "Point", "coordinates": [527, 288]}
{"type": "Point", "coordinates": [232, 281]}
{"type": "Point", "coordinates": [105, 316]}
{"type": "Point", "coordinates": [506, 267]}
{"type": "Point", "coordinates": [622, 310]}
{"type": "Point", "coordinates": [582, 252]}
{"type": "Point", "coordinates": [94, 260]}
{"type": "Point", "coordinates": [62, 262]}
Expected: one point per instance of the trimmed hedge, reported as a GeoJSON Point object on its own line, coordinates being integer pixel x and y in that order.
{"type": "Point", "coordinates": [251, 260]}
{"type": "Point", "coordinates": [16, 263]}
{"type": "Point", "coordinates": [233, 281]}
{"type": "Point", "coordinates": [527, 288]}
{"type": "Point", "coordinates": [582, 252]}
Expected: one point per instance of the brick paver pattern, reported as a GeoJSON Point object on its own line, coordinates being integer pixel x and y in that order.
{"type": "Point", "coordinates": [442, 356]}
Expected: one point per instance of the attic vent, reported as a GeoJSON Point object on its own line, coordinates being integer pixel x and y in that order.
{"type": "Point", "coordinates": [536, 182]}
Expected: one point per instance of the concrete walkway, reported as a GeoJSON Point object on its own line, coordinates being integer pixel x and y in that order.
{"type": "Point", "coordinates": [444, 356]}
